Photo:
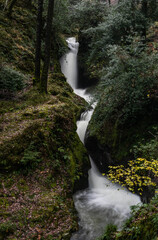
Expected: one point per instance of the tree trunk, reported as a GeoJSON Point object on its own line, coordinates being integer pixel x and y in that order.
{"type": "Point", "coordinates": [38, 43]}
{"type": "Point", "coordinates": [13, 2]}
{"type": "Point", "coordinates": [44, 77]}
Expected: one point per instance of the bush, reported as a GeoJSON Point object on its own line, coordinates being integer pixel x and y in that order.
{"type": "Point", "coordinates": [11, 80]}
{"type": "Point", "coordinates": [147, 148]}
{"type": "Point", "coordinates": [122, 20]}
{"type": "Point", "coordinates": [140, 174]}
{"type": "Point", "coordinates": [143, 224]}
{"type": "Point", "coordinates": [109, 232]}
{"type": "Point", "coordinates": [127, 85]}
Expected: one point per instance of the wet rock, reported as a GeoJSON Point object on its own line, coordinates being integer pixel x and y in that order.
{"type": "Point", "coordinates": [101, 156]}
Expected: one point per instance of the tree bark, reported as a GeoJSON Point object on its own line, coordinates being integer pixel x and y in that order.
{"type": "Point", "coordinates": [44, 77]}
{"type": "Point", "coordinates": [38, 43]}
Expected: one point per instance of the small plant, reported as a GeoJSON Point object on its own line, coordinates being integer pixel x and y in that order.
{"type": "Point", "coordinates": [31, 157]}
{"type": "Point", "coordinates": [148, 149]}
{"type": "Point", "coordinates": [11, 80]}
{"type": "Point", "coordinates": [109, 232]}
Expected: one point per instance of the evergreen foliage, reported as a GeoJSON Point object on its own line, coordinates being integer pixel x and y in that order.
{"type": "Point", "coordinates": [127, 83]}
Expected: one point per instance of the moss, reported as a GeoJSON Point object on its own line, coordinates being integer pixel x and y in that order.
{"type": "Point", "coordinates": [41, 127]}
{"type": "Point", "coordinates": [19, 44]}
{"type": "Point", "coordinates": [120, 138]}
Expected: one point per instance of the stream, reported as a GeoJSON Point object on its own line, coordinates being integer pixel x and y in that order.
{"type": "Point", "coordinates": [103, 202]}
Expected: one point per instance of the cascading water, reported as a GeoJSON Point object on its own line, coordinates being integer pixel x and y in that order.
{"type": "Point", "coordinates": [103, 202]}
{"type": "Point", "coordinates": [69, 63]}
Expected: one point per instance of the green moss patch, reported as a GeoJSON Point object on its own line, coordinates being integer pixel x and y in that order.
{"type": "Point", "coordinates": [41, 158]}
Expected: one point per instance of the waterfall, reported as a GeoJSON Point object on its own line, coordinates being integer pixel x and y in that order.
{"type": "Point", "coordinates": [69, 63]}
{"type": "Point", "coordinates": [103, 202]}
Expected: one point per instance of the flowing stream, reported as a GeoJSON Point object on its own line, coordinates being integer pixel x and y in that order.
{"type": "Point", "coordinates": [103, 202]}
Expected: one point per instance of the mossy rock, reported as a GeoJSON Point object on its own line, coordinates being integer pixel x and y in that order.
{"type": "Point", "coordinates": [113, 140]}
{"type": "Point", "coordinates": [12, 151]}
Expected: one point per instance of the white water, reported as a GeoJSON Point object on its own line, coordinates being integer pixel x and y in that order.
{"type": "Point", "coordinates": [103, 202]}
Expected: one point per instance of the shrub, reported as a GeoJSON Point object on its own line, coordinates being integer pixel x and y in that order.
{"type": "Point", "coordinates": [11, 80]}
{"type": "Point", "coordinates": [143, 224]}
{"type": "Point", "coordinates": [139, 174]}
{"type": "Point", "coordinates": [147, 148]}
{"type": "Point", "coordinates": [109, 232]}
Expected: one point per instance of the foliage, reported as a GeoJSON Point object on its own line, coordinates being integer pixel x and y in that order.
{"type": "Point", "coordinates": [127, 83]}
{"type": "Point", "coordinates": [109, 232]}
{"type": "Point", "coordinates": [120, 21]}
{"type": "Point", "coordinates": [11, 80]}
{"type": "Point", "coordinates": [143, 224]}
{"type": "Point", "coordinates": [152, 10]}
{"type": "Point", "coordinates": [6, 228]}
{"type": "Point", "coordinates": [60, 26]}
{"type": "Point", "coordinates": [88, 14]}
{"type": "Point", "coordinates": [61, 22]}
{"type": "Point", "coordinates": [18, 34]}
{"type": "Point", "coordinates": [84, 15]}
{"type": "Point", "coordinates": [31, 157]}
{"type": "Point", "coordinates": [147, 148]}
{"type": "Point", "coordinates": [139, 174]}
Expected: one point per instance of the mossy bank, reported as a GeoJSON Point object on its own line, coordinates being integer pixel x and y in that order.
{"type": "Point", "coordinates": [41, 158]}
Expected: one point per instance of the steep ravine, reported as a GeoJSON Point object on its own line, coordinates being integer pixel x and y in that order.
{"type": "Point", "coordinates": [102, 203]}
